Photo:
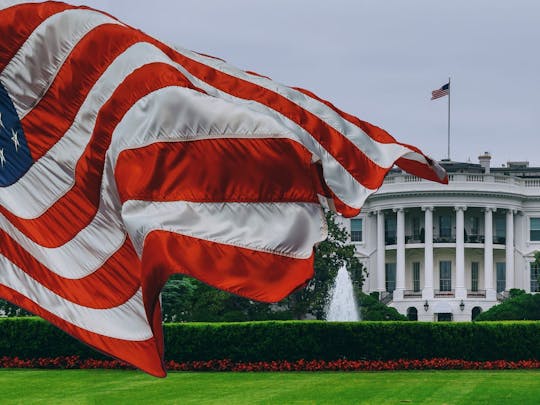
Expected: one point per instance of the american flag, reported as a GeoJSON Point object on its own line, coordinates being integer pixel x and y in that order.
{"type": "Point", "coordinates": [443, 91]}
{"type": "Point", "coordinates": [123, 161]}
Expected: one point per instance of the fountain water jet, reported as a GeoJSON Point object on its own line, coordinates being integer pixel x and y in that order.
{"type": "Point", "coordinates": [342, 305]}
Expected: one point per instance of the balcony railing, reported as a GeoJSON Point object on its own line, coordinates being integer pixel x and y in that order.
{"type": "Point", "coordinates": [412, 294]}
{"type": "Point", "coordinates": [444, 294]}
{"type": "Point", "coordinates": [444, 239]}
{"type": "Point", "coordinates": [476, 294]}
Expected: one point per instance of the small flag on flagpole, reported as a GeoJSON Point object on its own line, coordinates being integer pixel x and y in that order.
{"type": "Point", "coordinates": [443, 91]}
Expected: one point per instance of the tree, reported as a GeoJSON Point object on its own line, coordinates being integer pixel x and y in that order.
{"type": "Point", "coordinates": [372, 309]}
{"type": "Point", "coordinates": [519, 306]}
{"type": "Point", "coordinates": [330, 256]}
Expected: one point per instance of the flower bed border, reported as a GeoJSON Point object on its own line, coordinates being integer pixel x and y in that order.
{"type": "Point", "coordinates": [74, 362]}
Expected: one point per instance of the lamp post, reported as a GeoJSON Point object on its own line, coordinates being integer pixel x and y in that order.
{"type": "Point", "coordinates": [462, 305]}
{"type": "Point", "coordinates": [426, 306]}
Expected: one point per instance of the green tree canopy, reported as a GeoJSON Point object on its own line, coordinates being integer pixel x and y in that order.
{"type": "Point", "coordinates": [519, 306]}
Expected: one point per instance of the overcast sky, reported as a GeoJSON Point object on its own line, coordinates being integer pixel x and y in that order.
{"type": "Point", "coordinates": [380, 60]}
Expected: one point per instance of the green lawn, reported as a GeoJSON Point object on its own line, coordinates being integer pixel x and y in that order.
{"type": "Point", "coordinates": [131, 387]}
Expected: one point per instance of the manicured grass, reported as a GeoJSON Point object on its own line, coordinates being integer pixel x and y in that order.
{"type": "Point", "coordinates": [132, 387]}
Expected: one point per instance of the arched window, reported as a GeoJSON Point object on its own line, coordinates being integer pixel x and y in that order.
{"type": "Point", "coordinates": [412, 314]}
{"type": "Point", "coordinates": [475, 312]}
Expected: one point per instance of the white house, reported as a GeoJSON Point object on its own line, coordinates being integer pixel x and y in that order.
{"type": "Point", "coordinates": [448, 252]}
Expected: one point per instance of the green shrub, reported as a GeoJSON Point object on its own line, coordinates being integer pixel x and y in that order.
{"type": "Point", "coordinates": [519, 306]}
{"type": "Point", "coordinates": [294, 340]}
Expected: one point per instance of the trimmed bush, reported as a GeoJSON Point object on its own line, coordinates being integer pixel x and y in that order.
{"type": "Point", "coordinates": [29, 338]}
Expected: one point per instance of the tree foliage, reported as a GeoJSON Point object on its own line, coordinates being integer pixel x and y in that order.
{"type": "Point", "coordinates": [372, 309]}
{"type": "Point", "coordinates": [519, 306]}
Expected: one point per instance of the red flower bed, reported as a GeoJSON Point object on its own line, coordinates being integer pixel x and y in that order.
{"type": "Point", "coordinates": [74, 362]}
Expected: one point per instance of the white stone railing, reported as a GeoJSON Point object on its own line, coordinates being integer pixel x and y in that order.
{"type": "Point", "coordinates": [467, 178]}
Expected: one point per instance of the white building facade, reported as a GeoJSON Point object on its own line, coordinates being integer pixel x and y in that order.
{"type": "Point", "coordinates": [448, 252]}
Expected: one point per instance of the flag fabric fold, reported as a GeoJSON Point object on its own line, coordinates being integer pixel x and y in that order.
{"type": "Point", "coordinates": [123, 161]}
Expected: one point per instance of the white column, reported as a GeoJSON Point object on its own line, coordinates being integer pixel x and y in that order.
{"type": "Point", "coordinates": [427, 291]}
{"type": "Point", "coordinates": [381, 252]}
{"type": "Point", "coordinates": [509, 249]}
{"type": "Point", "coordinates": [488, 254]}
{"type": "Point", "coordinates": [400, 254]}
{"type": "Point", "coordinates": [461, 292]}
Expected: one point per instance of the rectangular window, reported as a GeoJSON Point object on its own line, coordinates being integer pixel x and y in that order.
{"type": "Point", "coordinates": [475, 226]}
{"type": "Point", "coordinates": [535, 229]}
{"type": "Point", "coordinates": [356, 230]}
{"type": "Point", "coordinates": [445, 275]}
{"type": "Point", "coordinates": [499, 236]}
{"type": "Point", "coordinates": [390, 226]}
{"type": "Point", "coordinates": [416, 228]}
{"type": "Point", "coordinates": [535, 277]}
{"type": "Point", "coordinates": [501, 276]}
{"type": "Point", "coordinates": [445, 226]}
{"type": "Point", "coordinates": [390, 273]}
{"type": "Point", "coordinates": [474, 276]}
{"type": "Point", "coordinates": [416, 276]}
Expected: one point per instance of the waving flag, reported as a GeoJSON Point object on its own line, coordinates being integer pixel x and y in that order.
{"type": "Point", "coordinates": [123, 161]}
{"type": "Point", "coordinates": [443, 91]}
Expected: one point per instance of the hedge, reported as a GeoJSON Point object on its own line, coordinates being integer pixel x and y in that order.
{"type": "Point", "coordinates": [29, 338]}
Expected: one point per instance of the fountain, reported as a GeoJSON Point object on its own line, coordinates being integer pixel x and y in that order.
{"type": "Point", "coordinates": [342, 305]}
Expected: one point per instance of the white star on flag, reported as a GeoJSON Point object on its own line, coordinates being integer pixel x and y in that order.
{"type": "Point", "coordinates": [15, 139]}
{"type": "Point", "coordinates": [1, 123]}
{"type": "Point", "coordinates": [2, 158]}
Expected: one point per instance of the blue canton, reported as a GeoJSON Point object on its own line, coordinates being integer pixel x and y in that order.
{"type": "Point", "coordinates": [15, 158]}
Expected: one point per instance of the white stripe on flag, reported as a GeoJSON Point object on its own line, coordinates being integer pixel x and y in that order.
{"type": "Point", "coordinates": [287, 229]}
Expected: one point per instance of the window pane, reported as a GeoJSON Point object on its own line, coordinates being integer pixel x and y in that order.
{"type": "Point", "coordinates": [445, 226]}
{"type": "Point", "coordinates": [416, 276]}
{"type": "Point", "coordinates": [474, 276]}
{"type": "Point", "coordinates": [390, 270]}
{"type": "Point", "coordinates": [501, 277]}
{"type": "Point", "coordinates": [445, 275]}
{"type": "Point", "coordinates": [356, 230]}
{"type": "Point", "coordinates": [535, 229]}
{"type": "Point", "coordinates": [535, 273]}
{"type": "Point", "coordinates": [390, 230]}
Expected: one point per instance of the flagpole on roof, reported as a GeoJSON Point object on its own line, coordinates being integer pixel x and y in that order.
{"type": "Point", "coordinates": [449, 91]}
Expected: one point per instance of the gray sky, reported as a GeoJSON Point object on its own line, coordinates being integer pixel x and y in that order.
{"type": "Point", "coordinates": [380, 60]}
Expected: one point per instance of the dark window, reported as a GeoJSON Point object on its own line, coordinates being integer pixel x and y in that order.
{"type": "Point", "coordinates": [474, 276]}
{"type": "Point", "coordinates": [475, 312]}
{"type": "Point", "coordinates": [535, 229]}
{"type": "Point", "coordinates": [474, 225]}
{"type": "Point", "coordinates": [445, 226]}
{"type": "Point", "coordinates": [412, 314]}
{"type": "Point", "coordinates": [500, 230]}
{"type": "Point", "coordinates": [445, 275]}
{"type": "Point", "coordinates": [356, 230]}
{"type": "Point", "coordinates": [390, 230]}
{"type": "Point", "coordinates": [501, 276]}
{"type": "Point", "coordinates": [444, 317]}
{"type": "Point", "coordinates": [390, 273]}
{"type": "Point", "coordinates": [416, 276]}
{"type": "Point", "coordinates": [535, 277]}
{"type": "Point", "coordinates": [416, 228]}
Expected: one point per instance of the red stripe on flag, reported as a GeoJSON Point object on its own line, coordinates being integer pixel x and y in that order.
{"type": "Point", "coordinates": [77, 207]}
{"type": "Point", "coordinates": [142, 354]}
{"type": "Point", "coordinates": [73, 82]}
{"type": "Point", "coordinates": [217, 170]}
{"type": "Point", "coordinates": [363, 169]}
{"type": "Point", "coordinates": [18, 22]}
{"type": "Point", "coordinates": [111, 285]}
{"type": "Point", "coordinates": [249, 273]}
{"type": "Point", "coordinates": [380, 135]}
